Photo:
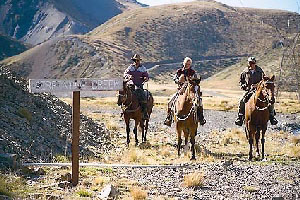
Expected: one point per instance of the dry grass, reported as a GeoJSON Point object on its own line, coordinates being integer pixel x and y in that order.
{"type": "Point", "coordinates": [101, 180]}
{"type": "Point", "coordinates": [138, 193]}
{"type": "Point", "coordinates": [251, 188]}
{"type": "Point", "coordinates": [195, 179]}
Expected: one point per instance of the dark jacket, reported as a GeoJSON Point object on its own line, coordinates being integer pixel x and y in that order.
{"type": "Point", "coordinates": [187, 73]}
{"type": "Point", "coordinates": [250, 77]}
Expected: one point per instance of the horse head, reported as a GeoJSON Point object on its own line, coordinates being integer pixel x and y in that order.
{"type": "Point", "coordinates": [126, 93]}
{"type": "Point", "coordinates": [194, 90]}
{"type": "Point", "coordinates": [266, 88]}
{"type": "Point", "coordinates": [269, 87]}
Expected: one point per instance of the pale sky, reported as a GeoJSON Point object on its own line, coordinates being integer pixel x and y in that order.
{"type": "Point", "coordinates": [291, 5]}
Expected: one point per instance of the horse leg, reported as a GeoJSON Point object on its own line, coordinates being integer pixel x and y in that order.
{"type": "Point", "coordinates": [179, 141]}
{"type": "Point", "coordinates": [142, 122]}
{"type": "Point", "coordinates": [251, 138]}
{"type": "Point", "coordinates": [186, 140]}
{"type": "Point", "coordinates": [193, 145]}
{"type": "Point", "coordinates": [127, 130]}
{"type": "Point", "coordinates": [263, 142]}
{"type": "Point", "coordinates": [135, 132]}
{"type": "Point", "coordinates": [257, 137]}
{"type": "Point", "coordinates": [146, 130]}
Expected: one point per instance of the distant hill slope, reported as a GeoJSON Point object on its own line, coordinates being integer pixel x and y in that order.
{"type": "Point", "coordinates": [35, 21]}
{"type": "Point", "coordinates": [10, 47]}
{"type": "Point", "coordinates": [37, 127]}
{"type": "Point", "coordinates": [202, 30]}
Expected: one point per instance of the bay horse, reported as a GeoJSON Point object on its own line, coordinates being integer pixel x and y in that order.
{"type": "Point", "coordinates": [185, 113]}
{"type": "Point", "coordinates": [131, 108]}
{"type": "Point", "coordinates": [257, 114]}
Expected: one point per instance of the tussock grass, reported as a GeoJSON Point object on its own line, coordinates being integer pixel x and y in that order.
{"type": "Point", "coordinates": [295, 140]}
{"type": "Point", "coordinates": [61, 159]}
{"type": "Point", "coordinates": [12, 186]}
{"type": "Point", "coordinates": [100, 180]}
{"type": "Point", "coordinates": [84, 193]}
{"type": "Point", "coordinates": [250, 188]}
{"type": "Point", "coordinates": [25, 113]}
{"type": "Point", "coordinates": [195, 179]}
{"type": "Point", "coordinates": [138, 193]}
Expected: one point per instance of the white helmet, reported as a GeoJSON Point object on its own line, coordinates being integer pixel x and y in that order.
{"type": "Point", "coordinates": [252, 59]}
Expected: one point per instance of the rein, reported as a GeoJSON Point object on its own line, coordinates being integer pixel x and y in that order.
{"type": "Point", "coordinates": [192, 110]}
{"type": "Point", "coordinates": [126, 107]}
{"type": "Point", "coordinates": [264, 100]}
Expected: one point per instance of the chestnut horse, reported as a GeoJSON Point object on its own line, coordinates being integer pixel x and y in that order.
{"type": "Point", "coordinates": [132, 110]}
{"type": "Point", "coordinates": [257, 114]}
{"type": "Point", "coordinates": [185, 113]}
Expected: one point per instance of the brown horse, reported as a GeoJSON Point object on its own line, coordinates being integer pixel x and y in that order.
{"type": "Point", "coordinates": [132, 110]}
{"type": "Point", "coordinates": [185, 113]}
{"type": "Point", "coordinates": [257, 114]}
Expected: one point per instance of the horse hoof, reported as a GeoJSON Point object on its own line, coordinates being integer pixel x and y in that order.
{"type": "Point", "coordinates": [193, 158]}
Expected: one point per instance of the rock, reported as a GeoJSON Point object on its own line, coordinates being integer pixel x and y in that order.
{"type": "Point", "coordinates": [64, 184]}
{"type": "Point", "coordinates": [3, 197]}
{"type": "Point", "coordinates": [66, 177]}
{"type": "Point", "coordinates": [52, 197]}
{"type": "Point", "coordinates": [108, 191]}
{"type": "Point", "coordinates": [8, 160]}
{"type": "Point", "coordinates": [40, 171]}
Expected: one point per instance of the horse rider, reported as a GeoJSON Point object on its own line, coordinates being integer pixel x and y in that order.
{"type": "Point", "coordinates": [137, 74]}
{"type": "Point", "coordinates": [180, 77]}
{"type": "Point", "coordinates": [251, 76]}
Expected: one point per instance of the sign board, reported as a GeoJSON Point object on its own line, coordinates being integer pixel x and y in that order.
{"type": "Point", "coordinates": [84, 84]}
{"type": "Point", "coordinates": [75, 86]}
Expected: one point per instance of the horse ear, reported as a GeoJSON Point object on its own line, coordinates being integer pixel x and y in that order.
{"type": "Point", "coordinates": [273, 78]}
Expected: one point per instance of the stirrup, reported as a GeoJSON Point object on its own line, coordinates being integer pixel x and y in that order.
{"type": "Point", "coordinates": [273, 121]}
{"type": "Point", "coordinates": [202, 122]}
{"type": "Point", "coordinates": [239, 122]}
{"type": "Point", "coordinates": [167, 122]}
{"type": "Point", "coordinates": [145, 117]}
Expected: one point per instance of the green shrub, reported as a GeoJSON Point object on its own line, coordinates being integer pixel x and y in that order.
{"type": "Point", "coordinates": [25, 113]}
{"type": "Point", "coordinates": [84, 193]}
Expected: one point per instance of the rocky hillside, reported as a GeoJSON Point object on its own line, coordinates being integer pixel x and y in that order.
{"type": "Point", "coordinates": [37, 127]}
{"type": "Point", "coordinates": [203, 30]}
{"type": "Point", "coordinates": [35, 21]}
{"type": "Point", "coordinates": [10, 46]}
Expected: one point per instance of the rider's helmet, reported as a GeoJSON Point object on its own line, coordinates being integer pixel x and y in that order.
{"type": "Point", "coordinates": [252, 59]}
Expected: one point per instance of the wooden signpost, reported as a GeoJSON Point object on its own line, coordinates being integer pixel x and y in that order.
{"type": "Point", "coordinates": [75, 86]}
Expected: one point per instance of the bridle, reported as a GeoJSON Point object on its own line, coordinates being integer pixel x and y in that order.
{"type": "Point", "coordinates": [193, 109]}
{"type": "Point", "coordinates": [264, 92]}
{"type": "Point", "coordinates": [128, 96]}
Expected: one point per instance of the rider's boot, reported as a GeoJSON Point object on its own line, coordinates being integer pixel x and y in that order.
{"type": "Point", "coordinates": [239, 121]}
{"type": "Point", "coordinates": [200, 115]}
{"type": "Point", "coordinates": [168, 120]}
{"type": "Point", "coordinates": [272, 118]}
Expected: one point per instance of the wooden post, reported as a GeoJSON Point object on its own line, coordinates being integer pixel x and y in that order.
{"type": "Point", "coordinates": [74, 85]}
{"type": "Point", "coordinates": [75, 137]}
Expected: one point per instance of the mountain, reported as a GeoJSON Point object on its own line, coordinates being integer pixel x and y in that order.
{"type": "Point", "coordinates": [37, 127]}
{"type": "Point", "coordinates": [203, 30]}
{"type": "Point", "coordinates": [35, 21]}
{"type": "Point", "coordinates": [11, 47]}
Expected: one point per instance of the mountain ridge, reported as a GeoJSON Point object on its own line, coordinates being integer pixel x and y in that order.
{"type": "Point", "coordinates": [161, 34]}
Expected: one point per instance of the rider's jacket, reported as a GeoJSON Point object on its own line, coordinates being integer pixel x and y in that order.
{"type": "Point", "coordinates": [249, 77]}
{"type": "Point", "coordinates": [186, 72]}
{"type": "Point", "coordinates": [136, 74]}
